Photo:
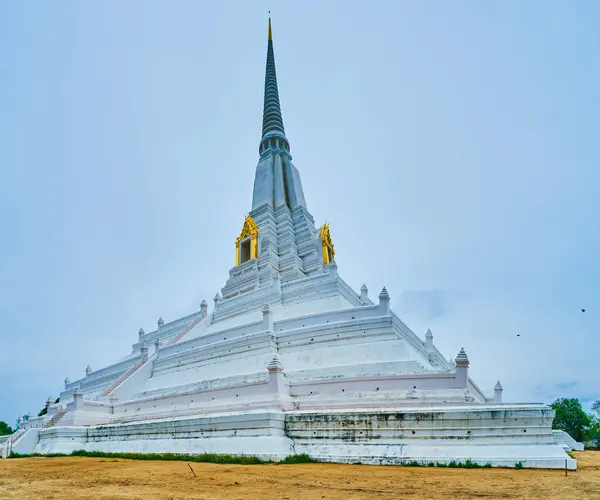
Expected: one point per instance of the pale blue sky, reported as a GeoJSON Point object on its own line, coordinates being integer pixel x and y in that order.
{"type": "Point", "coordinates": [453, 146]}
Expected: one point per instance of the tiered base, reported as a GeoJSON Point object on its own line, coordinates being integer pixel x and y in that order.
{"type": "Point", "coordinates": [500, 435]}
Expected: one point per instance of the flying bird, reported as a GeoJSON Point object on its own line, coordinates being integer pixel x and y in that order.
{"type": "Point", "coordinates": [583, 310]}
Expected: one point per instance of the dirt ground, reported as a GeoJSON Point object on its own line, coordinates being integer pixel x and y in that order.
{"type": "Point", "coordinates": [96, 478]}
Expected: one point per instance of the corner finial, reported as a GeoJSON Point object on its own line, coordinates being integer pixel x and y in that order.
{"type": "Point", "coordinates": [429, 342]}
{"type": "Point", "coordinates": [384, 301]}
{"type": "Point", "coordinates": [364, 295]}
{"type": "Point", "coordinates": [270, 31]}
{"type": "Point", "coordinates": [498, 392]}
{"type": "Point", "coordinates": [462, 359]}
{"type": "Point", "coordinates": [144, 352]}
{"type": "Point", "coordinates": [275, 365]}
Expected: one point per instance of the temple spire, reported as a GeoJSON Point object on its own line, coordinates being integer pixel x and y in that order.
{"type": "Point", "coordinates": [273, 133]}
{"type": "Point", "coordinates": [277, 181]}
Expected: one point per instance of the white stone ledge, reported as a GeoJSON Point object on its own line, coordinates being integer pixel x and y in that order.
{"type": "Point", "coordinates": [370, 327]}
{"type": "Point", "coordinates": [448, 411]}
{"type": "Point", "coordinates": [228, 334]}
{"type": "Point", "coordinates": [273, 434]}
{"type": "Point", "coordinates": [245, 388]}
{"type": "Point", "coordinates": [319, 319]}
{"type": "Point", "coordinates": [428, 381]}
{"type": "Point", "coordinates": [363, 370]}
{"type": "Point", "coordinates": [204, 385]}
{"type": "Point", "coordinates": [227, 350]}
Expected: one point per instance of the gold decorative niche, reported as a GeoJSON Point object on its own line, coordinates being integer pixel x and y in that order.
{"type": "Point", "coordinates": [328, 248]}
{"type": "Point", "coordinates": [246, 245]}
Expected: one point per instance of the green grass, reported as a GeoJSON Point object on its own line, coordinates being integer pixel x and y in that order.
{"type": "Point", "coordinates": [302, 458]}
{"type": "Point", "coordinates": [49, 455]}
{"type": "Point", "coordinates": [214, 458]}
{"type": "Point", "coordinates": [217, 458]}
{"type": "Point", "coordinates": [467, 464]}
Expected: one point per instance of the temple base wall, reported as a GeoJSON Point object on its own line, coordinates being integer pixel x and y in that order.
{"type": "Point", "coordinates": [259, 434]}
{"type": "Point", "coordinates": [500, 435]}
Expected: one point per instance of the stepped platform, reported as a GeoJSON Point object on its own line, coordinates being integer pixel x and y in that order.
{"type": "Point", "coordinates": [292, 360]}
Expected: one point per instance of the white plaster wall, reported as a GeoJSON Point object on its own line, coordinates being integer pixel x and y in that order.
{"type": "Point", "coordinates": [263, 183]}
{"type": "Point", "coordinates": [27, 442]}
{"type": "Point", "coordinates": [253, 433]}
{"type": "Point", "coordinates": [87, 413]}
{"type": "Point", "coordinates": [200, 369]}
{"type": "Point", "coordinates": [377, 369]}
{"type": "Point", "coordinates": [566, 441]}
{"type": "Point", "coordinates": [175, 403]}
{"type": "Point", "coordinates": [34, 423]}
{"type": "Point", "coordinates": [136, 381]}
{"type": "Point", "coordinates": [342, 355]}
{"type": "Point", "coordinates": [427, 382]}
{"type": "Point", "coordinates": [501, 455]}
{"type": "Point", "coordinates": [498, 434]}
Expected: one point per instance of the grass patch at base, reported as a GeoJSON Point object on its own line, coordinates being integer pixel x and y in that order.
{"type": "Point", "coordinates": [214, 458]}
{"type": "Point", "coordinates": [302, 458]}
{"type": "Point", "coordinates": [467, 464]}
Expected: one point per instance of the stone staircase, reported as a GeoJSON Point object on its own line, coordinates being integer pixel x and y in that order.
{"type": "Point", "coordinates": [186, 330]}
{"type": "Point", "coordinates": [6, 447]}
{"type": "Point", "coordinates": [137, 366]}
{"type": "Point", "coordinates": [56, 418]}
{"type": "Point", "coordinates": [122, 379]}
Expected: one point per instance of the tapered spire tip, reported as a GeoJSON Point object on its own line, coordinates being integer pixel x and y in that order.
{"type": "Point", "coordinates": [273, 133]}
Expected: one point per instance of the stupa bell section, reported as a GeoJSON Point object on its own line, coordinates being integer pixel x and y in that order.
{"type": "Point", "coordinates": [288, 245]}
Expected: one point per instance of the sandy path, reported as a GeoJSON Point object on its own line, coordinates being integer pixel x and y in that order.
{"type": "Point", "coordinates": [95, 478]}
